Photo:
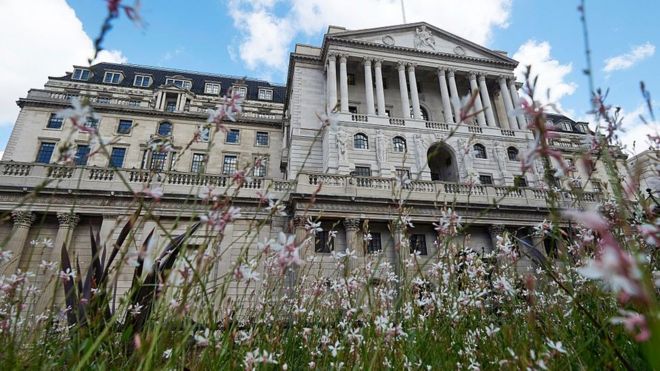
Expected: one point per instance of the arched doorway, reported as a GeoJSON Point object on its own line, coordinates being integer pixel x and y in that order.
{"type": "Point", "coordinates": [442, 163]}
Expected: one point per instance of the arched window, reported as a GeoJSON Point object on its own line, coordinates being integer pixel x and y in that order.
{"type": "Point", "coordinates": [360, 141]}
{"type": "Point", "coordinates": [512, 152]}
{"type": "Point", "coordinates": [479, 151]}
{"type": "Point", "coordinates": [165, 129]}
{"type": "Point", "coordinates": [399, 144]}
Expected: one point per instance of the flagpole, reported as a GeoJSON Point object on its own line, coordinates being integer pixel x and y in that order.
{"type": "Point", "coordinates": [403, 12]}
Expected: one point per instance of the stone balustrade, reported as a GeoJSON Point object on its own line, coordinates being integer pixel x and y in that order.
{"type": "Point", "coordinates": [424, 124]}
{"type": "Point", "coordinates": [85, 178]}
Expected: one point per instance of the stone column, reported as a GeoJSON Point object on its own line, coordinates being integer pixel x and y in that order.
{"type": "Point", "coordinates": [417, 112]}
{"type": "Point", "coordinates": [343, 83]}
{"type": "Point", "coordinates": [331, 82]}
{"type": "Point", "coordinates": [485, 98]}
{"type": "Point", "coordinates": [455, 99]}
{"type": "Point", "coordinates": [351, 227]}
{"type": "Point", "coordinates": [369, 87]}
{"type": "Point", "coordinates": [478, 107]}
{"type": "Point", "coordinates": [380, 91]}
{"type": "Point", "coordinates": [398, 234]}
{"type": "Point", "coordinates": [506, 95]}
{"type": "Point", "coordinates": [52, 291]}
{"type": "Point", "coordinates": [494, 231]}
{"type": "Point", "coordinates": [22, 222]}
{"type": "Point", "coordinates": [444, 94]}
{"type": "Point", "coordinates": [405, 103]}
{"type": "Point", "coordinates": [516, 104]}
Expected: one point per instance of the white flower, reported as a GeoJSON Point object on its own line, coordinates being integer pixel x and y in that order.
{"type": "Point", "coordinates": [167, 354]}
{"type": "Point", "coordinates": [334, 349]}
{"type": "Point", "coordinates": [246, 272]}
{"type": "Point", "coordinates": [492, 330]}
{"type": "Point", "coordinates": [6, 255]}
{"type": "Point", "coordinates": [556, 346]}
{"type": "Point", "coordinates": [313, 227]}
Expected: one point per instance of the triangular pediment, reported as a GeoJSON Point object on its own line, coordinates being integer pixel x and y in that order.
{"type": "Point", "coordinates": [422, 37]}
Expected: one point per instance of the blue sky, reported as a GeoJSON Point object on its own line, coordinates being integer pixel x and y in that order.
{"type": "Point", "coordinates": [253, 38]}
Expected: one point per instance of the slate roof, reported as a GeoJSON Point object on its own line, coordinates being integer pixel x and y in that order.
{"type": "Point", "coordinates": [557, 118]}
{"type": "Point", "coordinates": [159, 75]}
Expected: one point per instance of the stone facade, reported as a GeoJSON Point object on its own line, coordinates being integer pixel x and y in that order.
{"type": "Point", "coordinates": [396, 95]}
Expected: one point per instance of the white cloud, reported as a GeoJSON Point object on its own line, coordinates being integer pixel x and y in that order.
{"type": "Point", "coordinates": [635, 55]}
{"type": "Point", "coordinates": [41, 38]}
{"type": "Point", "coordinates": [636, 131]}
{"type": "Point", "coordinates": [552, 85]}
{"type": "Point", "coordinates": [266, 37]}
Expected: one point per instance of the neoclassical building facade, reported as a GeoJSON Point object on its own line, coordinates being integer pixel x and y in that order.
{"type": "Point", "coordinates": [394, 96]}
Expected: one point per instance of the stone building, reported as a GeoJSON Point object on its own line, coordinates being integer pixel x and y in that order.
{"type": "Point", "coordinates": [395, 96]}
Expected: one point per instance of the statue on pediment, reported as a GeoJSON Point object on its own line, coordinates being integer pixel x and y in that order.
{"type": "Point", "coordinates": [342, 143]}
{"type": "Point", "coordinates": [424, 38]}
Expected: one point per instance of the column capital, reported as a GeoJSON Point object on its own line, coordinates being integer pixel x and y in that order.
{"type": "Point", "coordinates": [505, 77]}
{"type": "Point", "coordinates": [367, 61]}
{"type": "Point", "coordinates": [332, 56]}
{"type": "Point", "coordinates": [377, 61]}
{"type": "Point", "coordinates": [352, 224]}
{"type": "Point", "coordinates": [68, 219]}
{"type": "Point", "coordinates": [481, 77]}
{"type": "Point", "coordinates": [23, 218]}
{"type": "Point", "coordinates": [451, 72]}
{"type": "Point", "coordinates": [411, 66]}
{"type": "Point", "coordinates": [401, 65]}
{"type": "Point", "coordinates": [299, 221]}
{"type": "Point", "coordinates": [442, 70]}
{"type": "Point", "coordinates": [343, 58]}
{"type": "Point", "coordinates": [473, 75]}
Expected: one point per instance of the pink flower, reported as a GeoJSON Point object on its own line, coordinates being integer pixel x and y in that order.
{"type": "Point", "coordinates": [220, 219]}
{"type": "Point", "coordinates": [79, 114]}
{"type": "Point", "coordinates": [156, 192]}
{"type": "Point", "coordinates": [634, 323]}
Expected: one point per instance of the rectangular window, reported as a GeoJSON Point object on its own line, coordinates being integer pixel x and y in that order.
{"type": "Point", "coordinates": [373, 244]}
{"type": "Point", "coordinates": [134, 103]}
{"type": "Point", "coordinates": [265, 94]}
{"type": "Point", "coordinates": [597, 187]}
{"type": "Point", "coordinates": [198, 162]}
{"type": "Point", "coordinates": [323, 243]}
{"type": "Point", "coordinates": [204, 134]}
{"type": "Point", "coordinates": [91, 122]}
{"type": "Point", "coordinates": [519, 181]}
{"type": "Point", "coordinates": [45, 152]}
{"type": "Point", "coordinates": [173, 159]}
{"type": "Point", "coordinates": [124, 126]}
{"type": "Point", "coordinates": [352, 109]}
{"type": "Point", "coordinates": [112, 77]}
{"type": "Point", "coordinates": [213, 89]}
{"type": "Point", "coordinates": [262, 138]}
{"type": "Point", "coordinates": [233, 136]}
{"type": "Point", "coordinates": [117, 157]}
{"type": "Point", "coordinates": [362, 171]}
{"type": "Point", "coordinates": [486, 179]}
{"type": "Point", "coordinates": [54, 122]}
{"type": "Point", "coordinates": [260, 166]}
{"type": "Point", "coordinates": [402, 173]}
{"type": "Point", "coordinates": [80, 74]}
{"type": "Point", "coordinates": [142, 81]}
{"type": "Point", "coordinates": [184, 84]}
{"type": "Point", "coordinates": [158, 161]}
{"type": "Point", "coordinates": [170, 106]}
{"type": "Point", "coordinates": [418, 244]}
{"type": "Point", "coordinates": [82, 153]}
{"type": "Point", "coordinates": [229, 165]}
{"type": "Point", "coordinates": [240, 90]}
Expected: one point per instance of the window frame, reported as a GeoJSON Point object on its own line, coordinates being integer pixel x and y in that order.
{"type": "Point", "coordinates": [479, 151]}
{"type": "Point", "coordinates": [81, 75]}
{"type": "Point", "coordinates": [256, 139]}
{"type": "Point", "coordinates": [519, 181]}
{"type": "Point", "coordinates": [233, 164]}
{"type": "Point", "coordinates": [123, 158]}
{"type": "Point", "coordinates": [142, 79]}
{"type": "Point", "coordinates": [238, 136]}
{"type": "Point", "coordinates": [119, 75]}
{"type": "Point", "coordinates": [41, 148]}
{"type": "Point", "coordinates": [77, 159]}
{"type": "Point", "coordinates": [395, 145]}
{"type": "Point", "coordinates": [486, 176]}
{"type": "Point", "coordinates": [361, 138]}
{"type": "Point", "coordinates": [264, 166]}
{"type": "Point", "coordinates": [91, 122]}
{"type": "Point", "coordinates": [119, 125]}
{"type": "Point", "coordinates": [184, 83]}
{"type": "Point", "coordinates": [241, 90]}
{"type": "Point", "coordinates": [54, 117]}
{"type": "Point", "coordinates": [413, 242]}
{"type": "Point", "coordinates": [367, 168]}
{"type": "Point", "coordinates": [197, 165]}
{"type": "Point", "coordinates": [160, 124]}
{"type": "Point", "coordinates": [267, 94]}
{"type": "Point", "coordinates": [323, 244]}
{"type": "Point", "coordinates": [375, 244]}
{"type": "Point", "coordinates": [212, 85]}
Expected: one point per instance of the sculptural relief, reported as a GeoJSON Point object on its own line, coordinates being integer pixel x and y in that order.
{"type": "Point", "coordinates": [381, 148]}
{"type": "Point", "coordinates": [420, 151]}
{"type": "Point", "coordinates": [342, 142]}
{"type": "Point", "coordinates": [424, 38]}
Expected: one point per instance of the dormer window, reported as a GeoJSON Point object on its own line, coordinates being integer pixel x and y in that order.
{"type": "Point", "coordinates": [183, 84]}
{"type": "Point", "coordinates": [81, 74]}
{"type": "Point", "coordinates": [112, 77]}
{"type": "Point", "coordinates": [240, 90]}
{"type": "Point", "coordinates": [582, 128]}
{"type": "Point", "coordinates": [142, 81]}
{"type": "Point", "coordinates": [566, 126]}
{"type": "Point", "coordinates": [265, 94]}
{"type": "Point", "coordinates": [212, 88]}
